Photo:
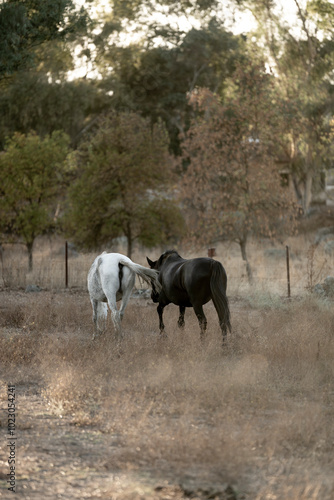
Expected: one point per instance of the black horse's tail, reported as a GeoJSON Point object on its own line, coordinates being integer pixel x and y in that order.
{"type": "Point", "coordinates": [218, 284]}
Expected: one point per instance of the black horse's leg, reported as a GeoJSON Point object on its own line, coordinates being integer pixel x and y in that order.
{"type": "Point", "coordinates": [201, 319]}
{"type": "Point", "coordinates": [180, 322]}
{"type": "Point", "coordinates": [160, 310]}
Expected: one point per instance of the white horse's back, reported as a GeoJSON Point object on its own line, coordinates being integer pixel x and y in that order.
{"type": "Point", "coordinates": [112, 278]}
{"type": "Point", "coordinates": [104, 276]}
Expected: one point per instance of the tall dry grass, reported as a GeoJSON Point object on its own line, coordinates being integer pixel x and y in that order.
{"type": "Point", "coordinates": [257, 413]}
{"type": "Point", "coordinates": [308, 265]}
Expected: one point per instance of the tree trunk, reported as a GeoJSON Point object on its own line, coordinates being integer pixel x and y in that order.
{"type": "Point", "coordinates": [129, 250]}
{"type": "Point", "coordinates": [308, 180]}
{"type": "Point", "coordinates": [304, 190]}
{"type": "Point", "coordinates": [130, 240]}
{"type": "Point", "coordinates": [299, 194]}
{"type": "Point", "coordinates": [30, 259]}
{"type": "Point", "coordinates": [307, 191]}
{"type": "Point", "coordinates": [242, 244]}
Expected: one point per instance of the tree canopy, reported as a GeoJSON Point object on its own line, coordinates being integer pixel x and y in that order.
{"type": "Point", "coordinates": [264, 103]}
{"type": "Point", "coordinates": [155, 81]}
{"type": "Point", "coordinates": [122, 186]}
{"type": "Point", "coordinates": [232, 187]}
{"type": "Point", "coordinates": [25, 25]}
{"type": "Point", "coordinates": [32, 177]}
{"type": "Point", "coordinates": [301, 54]}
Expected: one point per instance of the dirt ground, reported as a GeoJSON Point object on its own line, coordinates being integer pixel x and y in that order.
{"type": "Point", "coordinates": [170, 420]}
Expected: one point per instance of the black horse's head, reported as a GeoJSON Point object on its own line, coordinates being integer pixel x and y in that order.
{"type": "Point", "coordinates": [154, 294]}
{"type": "Point", "coordinates": [151, 263]}
{"type": "Point", "coordinates": [158, 263]}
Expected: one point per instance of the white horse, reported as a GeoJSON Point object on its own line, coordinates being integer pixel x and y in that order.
{"type": "Point", "coordinates": [110, 279]}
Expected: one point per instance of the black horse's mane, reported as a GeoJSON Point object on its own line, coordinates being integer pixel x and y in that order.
{"type": "Point", "coordinates": [167, 253]}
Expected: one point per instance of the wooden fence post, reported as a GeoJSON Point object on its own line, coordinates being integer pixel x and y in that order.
{"type": "Point", "coordinates": [66, 264]}
{"type": "Point", "coordinates": [288, 270]}
{"type": "Point", "coordinates": [211, 252]}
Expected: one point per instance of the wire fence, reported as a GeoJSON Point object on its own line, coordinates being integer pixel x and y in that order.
{"type": "Point", "coordinates": [63, 267]}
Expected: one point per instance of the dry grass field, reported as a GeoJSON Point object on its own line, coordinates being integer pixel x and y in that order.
{"type": "Point", "coordinates": [171, 418]}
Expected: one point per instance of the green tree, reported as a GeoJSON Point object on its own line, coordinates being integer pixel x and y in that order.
{"type": "Point", "coordinates": [131, 9]}
{"type": "Point", "coordinates": [152, 76]}
{"type": "Point", "coordinates": [25, 25]}
{"type": "Point", "coordinates": [37, 42]}
{"type": "Point", "coordinates": [155, 82]}
{"type": "Point", "coordinates": [32, 102]}
{"type": "Point", "coordinates": [302, 56]}
{"type": "Point", "coordinates": [124, 175]}
{"type": "Point", "coordinates": [32, 177]}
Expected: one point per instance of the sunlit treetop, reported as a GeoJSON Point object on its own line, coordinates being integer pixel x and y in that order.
{"type": "Point", "coordinates": [26, 25]}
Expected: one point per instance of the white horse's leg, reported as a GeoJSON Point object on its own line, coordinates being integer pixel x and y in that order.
{"type": "Point", "coordinates": [100, 313]}
{"type": "Point", "coordinates": [125, 300]}
{"type": "Point", "coordinates": [115, 316]}
{"type": "Point", "coordinates": [94, 306]}
{"type": "Point", "coordinates": [127, 286]}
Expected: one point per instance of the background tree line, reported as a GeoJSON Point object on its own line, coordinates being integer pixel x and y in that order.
{"type": "Point", "coordinates": [177, 128]}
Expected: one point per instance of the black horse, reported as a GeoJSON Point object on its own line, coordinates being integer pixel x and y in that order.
{"type": "Point", "coordinates": [191, 283]}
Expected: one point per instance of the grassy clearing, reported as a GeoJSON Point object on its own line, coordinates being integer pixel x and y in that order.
{"type": "Point", "coordinates": [257, 414]}
{"type": "Point", "coordinates": [308, 265]}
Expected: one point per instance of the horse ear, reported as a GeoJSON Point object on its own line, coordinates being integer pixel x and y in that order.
{"type": "Point", "coordinates": [150, 262]}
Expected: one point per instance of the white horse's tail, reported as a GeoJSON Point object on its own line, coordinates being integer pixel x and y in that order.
{"type": "Point", "coordinates": [148, 275]}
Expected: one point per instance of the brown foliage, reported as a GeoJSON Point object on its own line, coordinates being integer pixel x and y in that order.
{"type": "Point", "coordinates": [232, 183]}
